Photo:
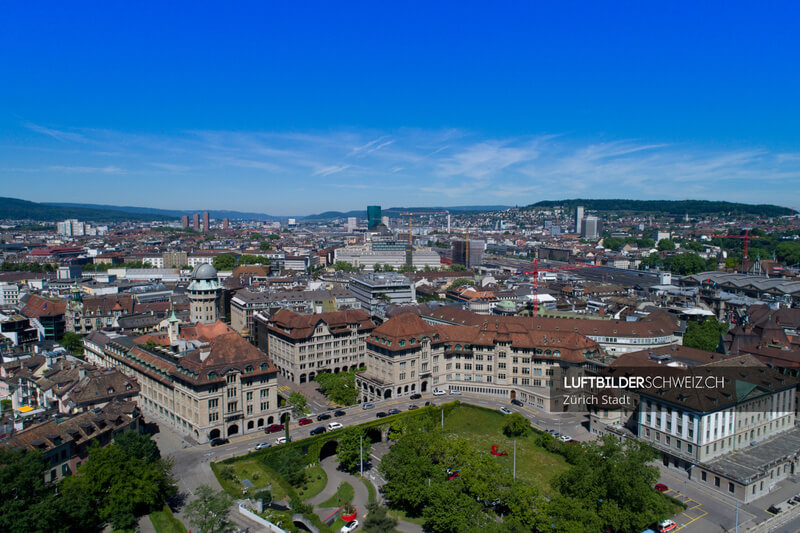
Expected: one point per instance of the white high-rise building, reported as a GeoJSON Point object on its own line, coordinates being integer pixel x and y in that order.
{"type": "Point", "coordinates": [578, 219]}
{"type": "Point", "coordinates": [352, 224]}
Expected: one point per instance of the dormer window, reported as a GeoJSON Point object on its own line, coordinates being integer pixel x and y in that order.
{"type": "Point", "coordinates": [264, 366]}
{"type": "Point", "coordinates": [402, 342]}
{"type": "Point", "coordinates": [248, 369]}
{"type": "Point", "coordinates": [111, 390]}
{"type": "Point", "coordinates": [212, 375]}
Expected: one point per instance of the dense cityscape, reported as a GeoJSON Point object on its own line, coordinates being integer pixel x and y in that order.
{"type": "Point", "coordinates": [257, 354]}
{"type": "Point", "coordinates": [418, 267]}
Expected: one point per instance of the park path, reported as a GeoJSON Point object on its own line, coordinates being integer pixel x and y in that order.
{"type": "Point", "coordinates": [360, 499]}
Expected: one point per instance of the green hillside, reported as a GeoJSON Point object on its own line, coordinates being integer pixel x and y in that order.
{"type": "Point", "coordinates": [671, 207]}
{"type": "Point", "coordinates": [15, 209]}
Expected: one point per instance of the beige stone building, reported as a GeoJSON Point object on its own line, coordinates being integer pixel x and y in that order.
{"type": "Point", "coordinates": [302, 346]}
{"type": "Point", "coordinates": [205, 381]}
{"type": "Point", "coordinates": [407, 355]}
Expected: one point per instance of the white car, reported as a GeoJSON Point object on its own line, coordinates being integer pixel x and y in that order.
{"type": "Point", "coordinates": [666, 526]}
{"type": "Point", "coordinates": [280, 440]}
{"type": "Point", "coordinates": [262, 445]}
{"type": "Point", "coordinates": [348, 527]}
{"type": "Point", "coordinates": [437, 392]}
{"type": "Point", "coordinates": [565, 438]}
{"type": "Point", "coordinates": [505, 410]}
{"type": "Point", "coordinates": [334, 425]}
{"type": "Point", "coordinates": [454, 391]}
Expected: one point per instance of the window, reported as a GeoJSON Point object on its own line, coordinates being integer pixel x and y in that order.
{"type": "Point", "coordinates": [703, 476]}
{"type": "Point", "coordinates": [213, 403]}
{"type": "Point", "coordinates": [716, 481]}
{"type": "Point", "coordinates": [730, 488]}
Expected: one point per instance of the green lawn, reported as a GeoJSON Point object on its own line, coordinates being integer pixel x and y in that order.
{"type": "Point", "coordinates": [252, 470]}
{"type": "Point", "coordinates": [165, 522]}
{"type": "Point", "coordinates": [346, 493]}
{"type": "Point", "coordinates": [316, 479]}
{"type": "Point", "coordinates": [484, 427]}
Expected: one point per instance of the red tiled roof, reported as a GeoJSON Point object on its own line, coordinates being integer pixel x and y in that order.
{"type": "Point", "coordinates": [36, 307]}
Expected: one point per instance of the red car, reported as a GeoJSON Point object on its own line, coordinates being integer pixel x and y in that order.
{"type": "Point", "coordinates": [273, 428]}
{"type": "Point", "coordinates": [660, 487]}
{"type": "Point", "coordinates": [304, 421]}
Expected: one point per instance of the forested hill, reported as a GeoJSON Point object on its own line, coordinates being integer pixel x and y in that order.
{"type": "Point", "coordinates": [671, 207]}
{"type": "Point", "coordinates": [16, 209]}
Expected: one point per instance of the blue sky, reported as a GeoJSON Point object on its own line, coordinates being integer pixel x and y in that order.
{"type": "Point", "coordinates": [306, 107]}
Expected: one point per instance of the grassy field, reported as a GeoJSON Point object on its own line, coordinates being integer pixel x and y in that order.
{"type": "Point", "coordinates": [165, 522]}
{"type": "Point", "coordinates": [316, 479]}
{"type": "Point", "coordinates": [346, 493]}
{"type": "Point", "coordinates": [484, 427]}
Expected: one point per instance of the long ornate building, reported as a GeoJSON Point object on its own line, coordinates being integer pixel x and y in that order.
{"type": "Point", "coordinates": [203, 380]}
{"type": "Point", "coordinates": [498, 358]}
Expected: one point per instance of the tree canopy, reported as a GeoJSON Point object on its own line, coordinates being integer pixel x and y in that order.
{"type": "Point", "coordinates": [339, 388]}
{"type": "Point", "coordinates": [349, 450]}
{"type": "Point", "coordinates": [704, 335]}
{"type": "Point", "coordinates": [208, 512]}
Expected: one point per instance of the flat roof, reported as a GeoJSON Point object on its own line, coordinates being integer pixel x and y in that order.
{"type": "Point", "coordinates": [752, 463]}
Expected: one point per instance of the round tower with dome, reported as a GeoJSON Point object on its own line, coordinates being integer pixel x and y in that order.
{"type": "Point", "coordinates": [204, 295]}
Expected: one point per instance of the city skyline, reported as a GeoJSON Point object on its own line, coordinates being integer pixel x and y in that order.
{"type": "Point", "coordinates": [273, 110]}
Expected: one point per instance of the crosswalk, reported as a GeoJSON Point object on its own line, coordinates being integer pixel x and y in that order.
{"type": "Point", "coordinates": [284, 388]}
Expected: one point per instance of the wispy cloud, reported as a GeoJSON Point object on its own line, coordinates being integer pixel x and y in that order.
{"type": "Point", "coordinates": [243, 170]}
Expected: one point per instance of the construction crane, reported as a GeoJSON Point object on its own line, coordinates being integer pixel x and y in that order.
{"type": "Point", "coordinates": [536, 270]}
{"type": "Point", "coordinates": [746, 238]}
{"type": "Point", "coordinates": [410, 218]}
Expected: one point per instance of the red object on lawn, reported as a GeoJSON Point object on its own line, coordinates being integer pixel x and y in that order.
{"type": "Point", "coordinates": [350, 517]}
{"type": "Point", "coordinates": [495, 452]}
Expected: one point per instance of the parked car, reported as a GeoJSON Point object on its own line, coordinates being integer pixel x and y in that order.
{"type": "Point", "coordinates": [339, 413]}
{"type": "Point", "coordinates": [367, 405]}
{"type": "Point", "coordinates": [262, 445]}
{"type": "Point", "coordinates": [429, 403]}
{"type": "Point", "coordinates": [334, 425]}
{"type": "Point", "coordinates": [381, 414]}
{"type": "Point", "coordinates": [415, 396]}
{"type": "Point", "coordinates": [666, 526]}
{"type": "Point", "coordinates": [219, 442]}
{"type": "Point", "coordinates": [565, 438]}
{"type": "Point", "coordinates": [281, 440]}
{"type": "Point", "coordinates": [317, 431]}
{"type": "Point", "coordinates": [437, 392]}
{"type": "Point", "coordinates": [797, 498]}
{"type": "Point", "coordinates": [454, 391]}
{"type": "Point", "coordinates": [348, 527]}
{"type": "Point", "coordinates": [274, 428]}
{"type": "Point", "coordinates": [660, 487]}
{"type": "Point", "coordinates": [394, 411]}
{"type": "Point", "coordinates": [505, 410]}
{"type": "Point", "coordinates": [517, 402]}
{"type": "Point", "coordinates": [774, 509]}
{"type": "Point", "coordinates": [323, 416]}
{"type": "Point", "coordinates": [305, 421]}
{"type": "Point", "coordinates": [412, 407]}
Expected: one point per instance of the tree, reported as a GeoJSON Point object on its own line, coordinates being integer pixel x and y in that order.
{"type": "Point", "coordinates": [704, 335]}
{"type": "Point", "coordinates": [452, 510]}
{"type": "Point", "coordinates": [455, 267]}
{"type": "Point", "coordinates": [72, 342]}
{"type": "Point", "coordinates": [340, 266]}
{"type": "Point", "coordinates": [264, 245]}
{"type": "Point", "coordinates": [122, 482]}
{"type": "Point", "coordinates": [516, 425]}
{"type": "Point", "coordinates": [27, 503]}
{"type": "Point", "coordinates": [665, 245]}
{"type": "Point", "coordinates": [299, 403]}
{"type": "Point", "coordinates": [209, 511]}
{"type": "Point", "coordinates": [377, 267]}
{"type": "Point", "coordinates": [255, 236]}
{"type": "Point", "coordinates": [378, 521]}
{"type": "Point", "coordinates": [290, 464]}
{"type": "Point", "coordinates": [339, 388]}
{"type": "Point", "coordinates": [137, 445]}
{"type": "Point", "coordinates": [460, 282]}
{"type": "Point", "coordinates": [349, 450]}
{"type": "Point", "coordinates": [224, 262]}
